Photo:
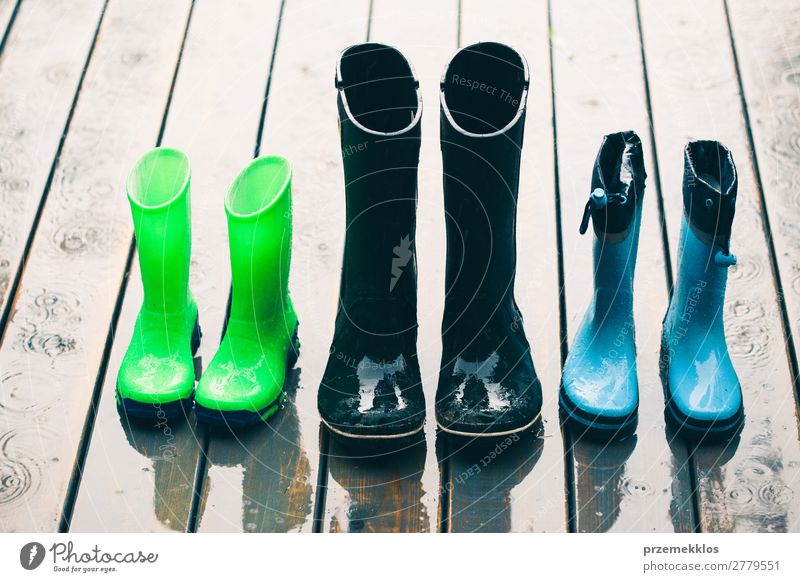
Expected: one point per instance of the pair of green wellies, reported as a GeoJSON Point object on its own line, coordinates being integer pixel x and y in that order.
{"type": "Point", "coordinates": [244, 381]}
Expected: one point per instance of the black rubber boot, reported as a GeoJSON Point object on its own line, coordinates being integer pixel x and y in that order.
{"type": "Point", "coordinates": [487, 384]}
{"type": "Point", "coordinates": [371, 388]}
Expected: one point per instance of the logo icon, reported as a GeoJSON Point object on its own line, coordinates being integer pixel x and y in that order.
{"type": "Point", "coordinates": [31, 555]}
{"type": "Point", "coordinates": [402, 254]}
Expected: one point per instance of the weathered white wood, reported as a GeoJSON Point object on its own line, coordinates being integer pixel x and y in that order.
{"type": "Point", "coordinates": [40, 70]}
{"type": "Point", "coordinates": [54, 343]}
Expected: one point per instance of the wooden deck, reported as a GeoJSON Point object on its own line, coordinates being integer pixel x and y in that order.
{"type": "Point", "coordinates": [87, 85]}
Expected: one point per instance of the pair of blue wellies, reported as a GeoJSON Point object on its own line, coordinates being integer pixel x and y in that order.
{"type": "Point", "coordinates": [599, 392]}
{"type": "Point", "coordinates": [371, 388]}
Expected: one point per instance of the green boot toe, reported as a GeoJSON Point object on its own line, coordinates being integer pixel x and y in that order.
{"type": "Point", "coordinates": [244, 382]}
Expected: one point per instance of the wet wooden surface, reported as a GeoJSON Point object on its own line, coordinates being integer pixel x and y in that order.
{"type": "Point", "coordinates": [747, 486]}
{"type": "Point", "coordinates": [86, 86]}
{"type": "Point", "coordinates": [627, 486]}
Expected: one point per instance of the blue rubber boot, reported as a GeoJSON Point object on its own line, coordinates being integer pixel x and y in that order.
{"type": "Point", "coordinates": [599, 389]}
{"type": "Point", "coordinates": [702, 392]}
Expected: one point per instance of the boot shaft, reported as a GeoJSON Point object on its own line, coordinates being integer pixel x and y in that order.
{"type": "Point", "coordinates": [483, 99]}
{"type": "Point", "coordinates": [615, 208]}
{"type": "Point", "coordinates": [258, 206]}
{"type": "Point", "coordinates": [710, 187]}
{"type": "Point", "coordinates": [380, 110]}
{"type": "Point", "coordinates": [158, 192]}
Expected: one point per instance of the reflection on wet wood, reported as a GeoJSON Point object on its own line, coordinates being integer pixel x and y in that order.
{"type": "Point", "coordinates": [54, 342]}
{"type": "Point", "coordinates": [141, 476]}
{"type": "Point", "coordinates": [599, 89]}
{"type": "Point", "coordinates": [491, 488]}
{"type": "Point", "coordinates": [258, 480]}
{"type": "Point", "coordinates": [378, 491]}
{"type": "Point", "coordinates": [749, 486]}
{"type": "Point", "coordinates": [522, 488]}
{"type": "Point", "coordinates": [138, 475]}
{"type": "Point", "coordinates": [57, 38]}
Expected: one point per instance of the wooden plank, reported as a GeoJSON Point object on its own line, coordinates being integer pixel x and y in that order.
{"type": "Point", "coordinates": [399, 491]}
{"type": "Point", "coordinates": [55, 340]}
{"type": "Point", "coordinates": [747, 486]}
{"type": "Point", "coordinates": [768, 43]}
{"type": "Point", "coordinates": [141, 476]}
{"type": "Point", "coordinates": [768, 47]}
{"type": "Point", "coordinates": [271, 484]}
{"type": "Point", "coordinates": [8, 11]}
{"type": "Point", "coordinates": [599, 89]}
{"type": "Point", "coordinates": [523, 488]}
{"type": "Point", "coordinates": [40, 71]}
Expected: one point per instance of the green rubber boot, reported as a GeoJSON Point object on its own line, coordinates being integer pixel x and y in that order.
{"type": "Point", "coordinates": [244, 381]}
{"type": "Point", "coordinates": [157, 376]}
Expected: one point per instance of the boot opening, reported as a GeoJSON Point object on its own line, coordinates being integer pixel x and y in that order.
{"type": "Point", "coordinates": [619, 172]}
{"type": "Point", "coordinates": [610, 169]}
{"type": "Point", "coordinates": [483, 87]}
{"type": "Point", "coordinates": [380, 89]}
{"type": "Point", "coordinates": [258, 186]}
{"type": "Point", "coordinates": [159, 177]}
{"type": "Point", "coordinates": [711, 163]}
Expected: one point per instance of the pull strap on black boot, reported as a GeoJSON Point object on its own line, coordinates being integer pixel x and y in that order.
{"type": "Point", "coordinates": [487, 384]}
{"type": "Point", "coordinates": [371, 387]}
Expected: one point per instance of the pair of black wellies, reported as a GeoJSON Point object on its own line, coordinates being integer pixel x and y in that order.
{"type": "Point", "coordinates": [371, 388]}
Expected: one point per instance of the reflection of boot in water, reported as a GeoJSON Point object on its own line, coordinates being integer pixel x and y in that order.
{"type": "Point", "coordinates": [384, 488]}
{"type": "Point", "coordinates": [482, 476]}
{"type": "Point", "coordinates": [171, 444]}
{"type": "Point", "coordinates": [751, 495]}
{"type": "Point", "coordinates": [599, 473]}
{"type": "Point", "coordinates": [265, 470]}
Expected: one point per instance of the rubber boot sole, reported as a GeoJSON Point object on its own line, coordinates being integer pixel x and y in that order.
{"type": "Point", "coordinates": [352, 438]}
{"type": "Point", "coordinates": [487, 434]}
{"type": "Point", "coordinates": [595, 427]}
{"type": "Point", "coordinates": [171, 409]}
{"type": "Point", "coordinates": [243, 418]}
{"type": "Point", "coordinates": [691, 429]}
